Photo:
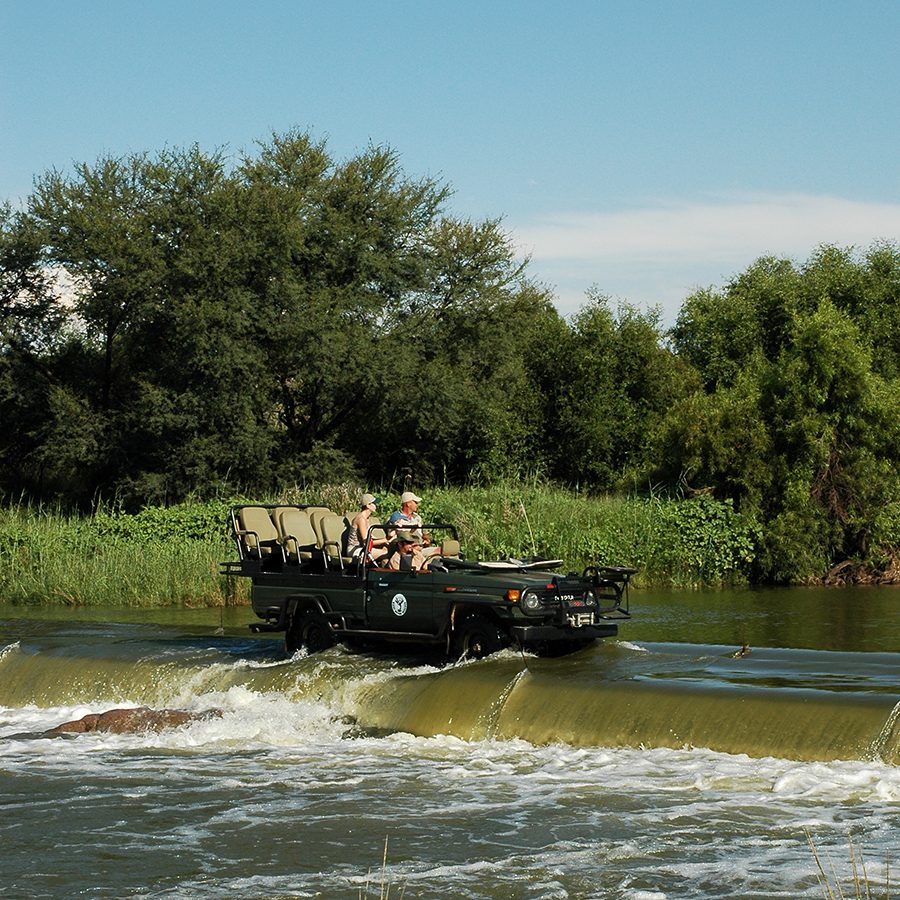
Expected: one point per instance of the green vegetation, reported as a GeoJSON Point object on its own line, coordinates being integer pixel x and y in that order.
{"type": "Point", "coordinates": [169, 556]}
{"type": "Point", "coordinates": [231, 325]}
{"type": "Point", "coordinates": [51, 557]}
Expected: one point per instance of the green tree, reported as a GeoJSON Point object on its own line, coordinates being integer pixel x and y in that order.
{"type": "Point", "coordinates": [31, 317]}
{"type": "Point", "coordinates": [794, 421]}
{"type": "Point", "coordinates": [248, 325]}
{"type": "Point", "coordinates": [159, 314]}
{"type": "Point", "coordinates": [340, 250]}
{"type": "Point", "coordinates": [614, 381]}
{"type": "Point", "coordinates": [462, 399]}
{"type": "Point", "coordinates": [866, 289]}
{"type": "Point", "coordinates": [719, 333]}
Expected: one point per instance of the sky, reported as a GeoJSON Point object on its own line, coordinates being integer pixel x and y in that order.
{"type": "Point", "coordinates": [641, 149]}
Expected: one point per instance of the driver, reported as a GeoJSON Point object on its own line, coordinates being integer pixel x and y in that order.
{"type": "Point", "coordinates": [408, 556]}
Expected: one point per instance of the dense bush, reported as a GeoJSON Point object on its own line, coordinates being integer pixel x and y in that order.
{"type": "Point", "coordinates": [228, 325]}
{"type": "Point", "coordinates": [184, 521]}
{"type": "Point", "coordinates": [169, 556]}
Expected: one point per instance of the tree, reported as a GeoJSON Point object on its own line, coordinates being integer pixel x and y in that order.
{"type": "Point", "coordinates": [237, 326]}
{"type": "Point", "coordinates": [159, 314]}
{"type": "Point", "coordinates": [340, 250]}
{"type": "Point", "coordinates": [719, 333]}
{"type": "Point", "coordinates": [793, 422]}
{"type": "Point", "coordinates": [462, 397]}
{"type": "Point", "coordinates": [32, 315]}
{"type": "Point", "coordinates": [614, 381]}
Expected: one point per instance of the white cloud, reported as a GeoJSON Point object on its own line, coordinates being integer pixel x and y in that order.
{"type": "Point", "coordinates": [658, 255]}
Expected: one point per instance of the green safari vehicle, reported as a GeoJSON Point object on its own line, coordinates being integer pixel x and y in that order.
{"type": "Point", "coordinates": [305, 585]}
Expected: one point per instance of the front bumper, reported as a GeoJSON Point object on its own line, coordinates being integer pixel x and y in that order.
{"type": "Point", "coordinates": [527, 635]}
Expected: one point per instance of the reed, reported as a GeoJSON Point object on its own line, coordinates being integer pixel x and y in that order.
{"type": "Point", "coordinates": [47, 557]}
{"type": "Point", "coordinates": [679, 543]}
{"type": "Point", "coordinates": [170, 556]}
{"type": "Point", "coordinates": [385, 884]}
{"type": "Point", "coordinates": [861, 888]}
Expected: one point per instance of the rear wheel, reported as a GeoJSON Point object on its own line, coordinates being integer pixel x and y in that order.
{"type": "Point", "coordinates": [310, 631]}
{"type": "Point", "coordinates": [476, 637]}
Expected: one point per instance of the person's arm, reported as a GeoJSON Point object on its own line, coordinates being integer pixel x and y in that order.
{"type": "Point", "coordinates": [395, 523]}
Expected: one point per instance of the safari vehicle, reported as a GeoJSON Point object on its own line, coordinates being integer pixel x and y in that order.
{"type": "Point", "coordinates": [304, 585]}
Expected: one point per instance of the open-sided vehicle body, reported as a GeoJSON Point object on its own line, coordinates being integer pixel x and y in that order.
{"type": "Point", "coordinates": [305, 585]}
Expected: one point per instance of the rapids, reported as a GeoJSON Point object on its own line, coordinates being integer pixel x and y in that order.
{"type": "Point", "coordinates": [640, 768]}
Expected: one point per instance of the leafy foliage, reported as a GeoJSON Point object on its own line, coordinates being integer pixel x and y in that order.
{"type": "Point", "coordinates": [169, 556]}
{"type": "Point", "coordinates": [794, 422]}
{"type": "Point", "coordinates": [232, 327]}
{"type": "Point", "coordinates": [191, 325]}
{"type": "Point", "coordinates": [181, 522]}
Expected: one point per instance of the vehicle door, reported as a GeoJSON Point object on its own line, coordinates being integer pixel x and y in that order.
{"type": "Point", "coordinates": [400, 601]}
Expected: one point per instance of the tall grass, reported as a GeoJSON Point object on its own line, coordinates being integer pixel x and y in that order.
{"type": "Point", "coordinates": [51, 557]}
{"type": "Point", "coordinates": [669, 542]}
{"type": "Point", "coordinates": [169, 557]}
{"type": "Point", "coordinates": [672, 542]}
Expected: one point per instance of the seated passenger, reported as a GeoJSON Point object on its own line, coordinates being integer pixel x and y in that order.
{"type": "Point", "coordinates": [358, 537]}
{"type": "Point", "coordinates": [408, 556]}
{"type": "Point", "coordinates": [408, 518]}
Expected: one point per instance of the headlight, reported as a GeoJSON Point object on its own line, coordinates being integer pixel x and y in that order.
{"type": "Point", "coordinates": [530, 602]}
{"type": "Point", "coordinates": [590, 598]}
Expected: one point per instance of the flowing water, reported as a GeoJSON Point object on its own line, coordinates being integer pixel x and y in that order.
{"type": "Point", "coordinates": [689, 758]}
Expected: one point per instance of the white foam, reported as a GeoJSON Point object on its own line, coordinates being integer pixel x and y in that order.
{"type": "Point", "coordinates": [628, 645]}
{"type": "Point", "coordinates": [9, 648]}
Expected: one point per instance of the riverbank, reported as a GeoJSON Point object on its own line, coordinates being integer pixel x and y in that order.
{"type": "Point", "coordinates": [170, 556]}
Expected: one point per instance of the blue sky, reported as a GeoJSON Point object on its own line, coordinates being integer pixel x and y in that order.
{"type": "Point", "coordinates": [644, 148]}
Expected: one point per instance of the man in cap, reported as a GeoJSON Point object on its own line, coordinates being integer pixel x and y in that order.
{"type": "Point", "coordinates": [408, 518]}
{"type": "Point", "coordinates": [359, 539]}
{"type": "Point", "coordinates": [408, 557]}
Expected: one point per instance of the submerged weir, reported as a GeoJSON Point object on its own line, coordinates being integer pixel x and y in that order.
{"type": "Point", "coordinates": [534, 706]}
{"type": "Point", "coordinates": [786, 704]}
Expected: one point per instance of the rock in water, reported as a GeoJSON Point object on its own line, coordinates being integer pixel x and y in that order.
{"type": "Point", "coordinates": [130, 721]}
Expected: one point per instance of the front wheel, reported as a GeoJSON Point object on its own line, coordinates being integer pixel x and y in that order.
{"type": "Point", "coordinates": [309, 630]}
{"type": "Point", "coordinates": [476, 637]}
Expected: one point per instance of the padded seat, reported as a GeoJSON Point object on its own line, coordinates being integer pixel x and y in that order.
{"type": "Point", "coordinates": [276, 515]}
{"type": "Point", "coordinates": [256, 533]}
{"type": "Point", "coordinates": [334, 536]}
{"type": "Point", "coordinates": [316, 514]}
{"type": "Point", "coordinates": [450, 547]}
{"type": "Point", "coordinates": [296, 534]}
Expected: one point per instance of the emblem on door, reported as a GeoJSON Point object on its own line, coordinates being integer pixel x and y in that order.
{"type": "Point", "coordinates": [398, 604]}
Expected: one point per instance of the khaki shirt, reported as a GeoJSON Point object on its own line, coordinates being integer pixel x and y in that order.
{"type": "Point", "coordinates": [419, 562]}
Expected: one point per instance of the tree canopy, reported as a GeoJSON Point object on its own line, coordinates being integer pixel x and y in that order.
{"type": "Point", "coordinates": [798, 418]}
{"type": "Point", "coordinates": [187, 323]}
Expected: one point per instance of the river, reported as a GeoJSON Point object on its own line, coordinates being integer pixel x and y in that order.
{"type": "Point", "coordinates": [692, 757]}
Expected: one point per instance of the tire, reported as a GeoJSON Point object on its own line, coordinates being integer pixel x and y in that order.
{"type": "Point", "coordinates": [309, 630]}
{"type": "Point", "coordinates": [476, 637]}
